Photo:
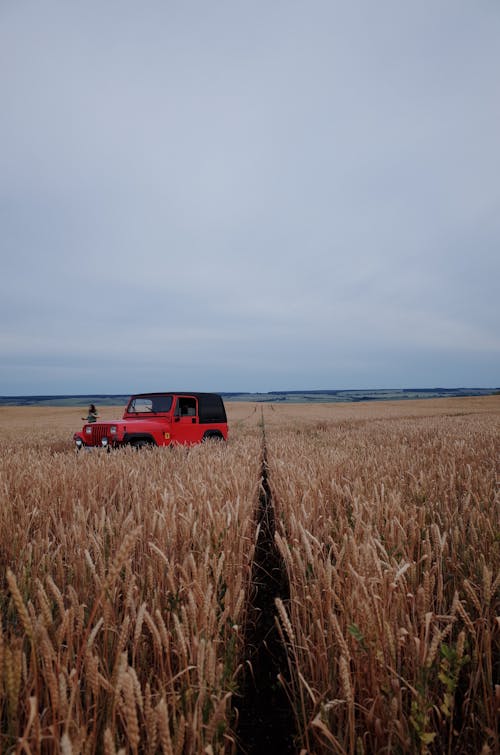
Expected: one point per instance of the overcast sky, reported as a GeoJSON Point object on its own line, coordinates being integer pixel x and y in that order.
{"type": "Point", "coordinates": [248, 195]}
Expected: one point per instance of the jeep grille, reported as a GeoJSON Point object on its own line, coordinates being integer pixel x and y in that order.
{"type": "Point", "coordinates": [98, 433]}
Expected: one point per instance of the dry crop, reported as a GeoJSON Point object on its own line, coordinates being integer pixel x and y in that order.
{"type": "Point", "coordinates": [390, 532]}
{"type": "Point", "coordinates": [125, 581]}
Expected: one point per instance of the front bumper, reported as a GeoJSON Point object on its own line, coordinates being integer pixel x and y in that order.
{"type": "Point", "coordinates": [105, 442]}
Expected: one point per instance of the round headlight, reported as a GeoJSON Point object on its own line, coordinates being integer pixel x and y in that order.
{"type": "Point", "coordinates": [88, 430]}
{"type": "Point", "coordinates": [112, 429]}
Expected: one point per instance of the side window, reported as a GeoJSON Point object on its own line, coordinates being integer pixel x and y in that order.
{"type": "Point", "coordinates": [186, 407]}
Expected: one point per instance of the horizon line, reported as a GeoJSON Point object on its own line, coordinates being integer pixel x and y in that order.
{"type": "Point", "coordinates": [257, 392]}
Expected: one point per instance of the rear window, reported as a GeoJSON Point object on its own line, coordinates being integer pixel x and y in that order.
{"type": "Point", "coordinates": [212, 409]}
{"type": "Point", "coordinates": [150, 404]}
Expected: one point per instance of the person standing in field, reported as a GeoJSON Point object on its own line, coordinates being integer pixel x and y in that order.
{"type": "Point", "coordinates": [92, 415]}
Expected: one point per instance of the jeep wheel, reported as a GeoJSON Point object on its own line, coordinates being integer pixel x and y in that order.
{"type": "Point", "coordinates": [138, 444]}
{"type": "Point", "coordinates": [212, 435]}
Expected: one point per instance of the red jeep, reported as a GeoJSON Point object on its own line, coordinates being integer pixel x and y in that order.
{"type": "Point", "coordinates": [160, 419]}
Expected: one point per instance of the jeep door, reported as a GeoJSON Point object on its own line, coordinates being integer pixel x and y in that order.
{"type": "Point", "coordinates": [186, 424]}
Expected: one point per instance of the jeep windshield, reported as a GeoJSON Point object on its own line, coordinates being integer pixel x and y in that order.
{"type": "Point", "coordinates": [149, 404]}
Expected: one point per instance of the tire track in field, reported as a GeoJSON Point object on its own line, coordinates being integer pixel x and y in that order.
{"type": "Point", "coordinates": [266, 723]}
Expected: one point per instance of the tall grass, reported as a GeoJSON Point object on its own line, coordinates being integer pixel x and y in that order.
{"type": "Point", "coordinates": [123, 597]}
{"type": "Point", "coordinates": [391, 533]}
{"type": "Point", "coordinates": [124, 581]}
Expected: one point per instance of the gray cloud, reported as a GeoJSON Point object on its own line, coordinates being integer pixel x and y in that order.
{"type": "Point", "coordinates": [231, 196]}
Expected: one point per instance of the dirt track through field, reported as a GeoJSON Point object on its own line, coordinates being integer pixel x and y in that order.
{"type": "Point", "coordinates": [265, 721]}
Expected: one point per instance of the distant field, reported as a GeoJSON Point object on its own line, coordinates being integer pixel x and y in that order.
{"type": "Point", "coordinates": [294, 397]}
{"type": "Point", "coordinates": [130, 583]}
{"type": "Point", "coordinates": [57, 424]}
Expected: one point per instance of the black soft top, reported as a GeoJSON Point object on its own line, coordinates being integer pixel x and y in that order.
{"type": "Point", "coordinates": [210, 405]}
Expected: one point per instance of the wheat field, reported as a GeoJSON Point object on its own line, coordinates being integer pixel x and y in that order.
{"type": "Point", "coordinates": [125, 580]}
